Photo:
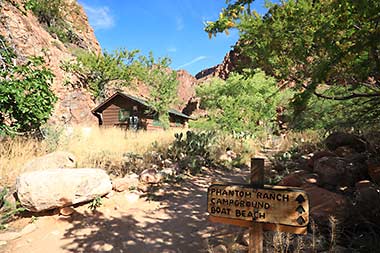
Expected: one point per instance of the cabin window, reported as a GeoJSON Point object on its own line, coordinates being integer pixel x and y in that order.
{"type": "Point", "coordinates": [123, 115]}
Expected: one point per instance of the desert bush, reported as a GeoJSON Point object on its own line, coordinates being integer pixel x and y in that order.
{"type": "Point", "coordinates": [7, 210]}
{"type": "Point", "coordinates": [51, 13]}
{"type": "Point", "coordinates": [192, 150]}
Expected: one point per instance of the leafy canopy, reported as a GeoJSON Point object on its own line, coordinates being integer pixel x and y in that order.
{"type": "Point", "coordinates": [127, 68]}
{"type": "Point", "coordinates": [26, 101]}
{"type": "Point", "coordinates": [94, 71]}
{"type": "Point", "coordinates": [241, 104]}
{"type": "Point", "coordinates": [162, 83]}
{"type": "Point", "coordinates": [324, 49]}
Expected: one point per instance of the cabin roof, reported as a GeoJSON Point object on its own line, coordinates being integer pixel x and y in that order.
{"type": "Point", "coordinates": [142, 101]}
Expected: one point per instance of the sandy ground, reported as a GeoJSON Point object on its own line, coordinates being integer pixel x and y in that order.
{"type": "Point", "coordinates": [175, 220]}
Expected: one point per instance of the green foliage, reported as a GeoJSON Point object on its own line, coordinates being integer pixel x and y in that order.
{"type": "Point", "coordinates": [193, 150]}
{"type": "Point", "coordinates": [162, 83]}
{"type": "Point", "coordinates": [126, 68]}
{"type": "Point", "coordinates": [228, 17]}
{"type": "Point", "coordinates": [241, 104]}
{"type": "Point", "coordinates": [95, 71]}
{"type": "Point", "coordinates": [7, 210]}
{"type": "Point", "coordinates": [51, 13]}
{"type": "Point", "coordinates": [95, 203]}
{"type": "Point", "coordinates": [26, 100]}
{"type": "Point", "coordinates": [327, 49]}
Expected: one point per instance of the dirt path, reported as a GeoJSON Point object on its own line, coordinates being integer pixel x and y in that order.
{"type": "Point", "coordinates": [175, 221]}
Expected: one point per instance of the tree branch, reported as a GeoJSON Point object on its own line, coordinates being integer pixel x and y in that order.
{"type": "Point", "coordinates": [351, 96]}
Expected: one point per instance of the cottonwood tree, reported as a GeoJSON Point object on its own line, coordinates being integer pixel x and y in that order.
{"type": "Point", "coordinates": [242, 104]}
{"type": "Point", "coordinates": [326, 50]}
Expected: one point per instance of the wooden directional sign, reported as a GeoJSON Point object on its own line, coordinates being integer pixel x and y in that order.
{"type": "Point", "coordinates": [271, 204]}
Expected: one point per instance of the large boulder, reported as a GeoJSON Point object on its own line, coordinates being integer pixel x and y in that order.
{"type": "Point", "coordinates": [298, 178]}
{"type": "Point", "coordinates": [367, 201]}
{"type": "Point", "coordinates": [340, 139]}
{"type": "Point", "coordinates": [324, 203]}
{"type": "Point", "coordinates": [48, 189]}
{"type": "Point", "coordinates": [374, 173]}
{"type": "Point", "coordinates": [337, 171]}
{"type": "Point", "coordinates": [59, 159]}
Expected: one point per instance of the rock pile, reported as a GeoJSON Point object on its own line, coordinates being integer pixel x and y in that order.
{"type": "Point", "coordinates": [342, 181]}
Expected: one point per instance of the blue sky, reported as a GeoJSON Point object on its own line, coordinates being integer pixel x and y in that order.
{"type": "Point", "coordinates": [172, 28]}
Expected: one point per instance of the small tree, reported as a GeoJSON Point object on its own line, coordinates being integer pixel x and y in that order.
{"type": "Point", "coordinates": [242, 104]}
{"type": "Point", "coordinates": [162, 83]}
{"type": "Point", "coordinates": [26, 100]}
{"type": "Point", "coordinates": [95, 71]}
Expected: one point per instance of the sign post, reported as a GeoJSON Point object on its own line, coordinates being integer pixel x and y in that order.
{"type": "Point", "coordinates": [256, 230]}
{"type": "Point", "coordinates": [259, 207]}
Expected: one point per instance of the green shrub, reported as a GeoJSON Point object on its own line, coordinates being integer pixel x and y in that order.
{"type": "Point", "coordinates": [26, 101]}
{"type": "Point", "coordinates": [7, 210]}
{"type": "Point", "coordinates": [95, 203]}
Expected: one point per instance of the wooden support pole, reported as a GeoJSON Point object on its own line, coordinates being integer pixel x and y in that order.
{"type": "Point", "coordinates": [256, 230]}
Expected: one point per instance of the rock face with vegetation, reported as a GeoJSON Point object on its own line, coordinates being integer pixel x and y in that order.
{"type": "Point", "coordinates": [29, 36]}
{"type": "Point", "coordinates": [48, 189]}
{"type": "Point", "coordinates": [58, 31]}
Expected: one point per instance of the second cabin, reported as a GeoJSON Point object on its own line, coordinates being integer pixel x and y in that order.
{"type": "Point", "coordinates": [130, 112]}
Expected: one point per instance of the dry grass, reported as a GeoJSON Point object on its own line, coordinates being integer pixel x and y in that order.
{"type": "Point", "coordinates": [14, 153]}
{"type": "Point", "coordinates": [109, 144]}
{"type": "Point", "coordinates": [92, 147]}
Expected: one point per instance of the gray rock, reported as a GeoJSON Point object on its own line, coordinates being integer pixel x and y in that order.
{"type": "Point", "coordinates": [48, 189]}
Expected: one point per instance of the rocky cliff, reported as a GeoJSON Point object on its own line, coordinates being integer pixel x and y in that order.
{"type": "Point", "coordinates": [27, 36]}
{"type": "Point", "coordinates": [231, 62]}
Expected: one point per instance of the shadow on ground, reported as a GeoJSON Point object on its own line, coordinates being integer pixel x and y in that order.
{"type": "Point", "coordinates": [179, 225]}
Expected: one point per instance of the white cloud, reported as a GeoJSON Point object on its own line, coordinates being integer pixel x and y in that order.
{"type": "Point", "coordinates": [179, 24]}
{"type": "Point", "coordinates": [99, 17]}
{"type": "Point", "coordinates": [197, 59]}
{"type": "Point", "coordinates": [172, 49]}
